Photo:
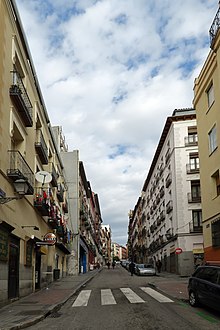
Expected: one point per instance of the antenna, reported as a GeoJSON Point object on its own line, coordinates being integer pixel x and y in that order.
{"type": "Point", "coordinates": [43, 177]}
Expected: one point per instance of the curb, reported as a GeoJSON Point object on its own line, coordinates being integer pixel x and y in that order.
{"type": "Point", "coordinates": [152, 285]}
{"type": "Point", "coordinates": [52, 309]}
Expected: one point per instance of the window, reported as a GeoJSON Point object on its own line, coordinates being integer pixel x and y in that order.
{"type": "Point", "coordinates": [216, 180]}
{"type": "Point", "coordinates": [194, 161]}
{"type": "Point", "coordinates": [197, 218]}
{"type": "Point", "coordinates": [216, 233]}
{"type": "Point", "coordinates": [210, 95]}
{"type": "Point", "coordinates": [195, 190]}
{"type": "Point", "coordinates": [212, 139]}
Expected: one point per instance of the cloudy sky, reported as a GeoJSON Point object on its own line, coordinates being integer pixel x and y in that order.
{"type": "Point", "coordinates": [111, 71]}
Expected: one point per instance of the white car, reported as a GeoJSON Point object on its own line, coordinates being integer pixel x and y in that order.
{"type": "Point", "coordinates": [145, 269]}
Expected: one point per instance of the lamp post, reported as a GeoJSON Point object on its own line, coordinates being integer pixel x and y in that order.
{"type": "Point", "coordinates": [21, 188]}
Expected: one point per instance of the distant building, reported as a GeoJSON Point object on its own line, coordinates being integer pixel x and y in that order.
{"type": "Point", "coordinates": [166, 223]}
{"type": "Point", "coordinates": [106, 242]}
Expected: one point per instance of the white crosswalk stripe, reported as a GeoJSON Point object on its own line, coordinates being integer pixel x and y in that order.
{"type": "Point", "coordinates": [82, 299]}
{"type": "Point", "coordinates": [131, 296]}
{"type": "Point", "coordinates": [107, 297]}
{"type": "Point", "coordinates": [156, 295]}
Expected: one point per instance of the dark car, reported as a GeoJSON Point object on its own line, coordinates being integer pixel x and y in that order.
{"type": "Point", "coordinates": [204, 287]}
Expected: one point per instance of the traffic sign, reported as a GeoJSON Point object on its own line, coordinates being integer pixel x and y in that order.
{"type": "Point", "coordinates": [178, 250]}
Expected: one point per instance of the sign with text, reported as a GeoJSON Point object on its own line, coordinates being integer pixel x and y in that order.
{"type": "Point", "coordinates": [50, 238]}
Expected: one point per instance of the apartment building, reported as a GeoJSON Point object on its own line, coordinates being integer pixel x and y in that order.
{"type": "Point", "coordinates": [43, 187]}
{"type": "Point", "coordinates": [34, 226]}
{"type": "Point", "coordinates": [115, 248]}
{"type": "Point", "coordinates": [166, 223]}
{"type": "Point", "coordinates": [207, 102]}
{"type": "Point", "coordinates": [106, 240]}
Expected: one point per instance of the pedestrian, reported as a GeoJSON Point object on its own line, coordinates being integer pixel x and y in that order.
{"type": "Point", "coordinates": [159, 265]}
{"type": "Point", "coordinates": [113, 264]}
{"type": "Point", "coordinates": [108, 264]}
{"type": "Point", "coordinates": [132, 268]}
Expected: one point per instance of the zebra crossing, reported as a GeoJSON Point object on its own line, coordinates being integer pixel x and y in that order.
{"type": "Point", "coordinates": [107, 297]}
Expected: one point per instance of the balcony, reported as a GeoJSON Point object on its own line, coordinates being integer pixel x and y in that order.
{"type": "Point", "coordinates": [168, 180]}
{"type": "Point", "coordinates": [169, 206]}
{"type": "Point", "coordinates": [21, 100]}
{"type": "Point", "coordinates": [191, 140]}
{"type": "Point", "coordinates": [65, 206]}
{"type": "Point", "coordinates": [162, 215]}
{"type": "Point", "coordinates": [41, 147]}
{"type": "Point", "coordinates": [214, 28]}
{"type": "Point", "coordinates": [161, 191]}
{"type": "Point", "coordinates": [194, 229]}
{"type": "Point", "coordinates": [193, 199]}
{"type": "Point", "coordinates": [158, 198]}
{"type": "Point", "coordinates": [19, 169]}
{"type": "Point", "coordinates": [53, 223]}
{"type": "Point", "coordinates": [167, 156]}
{"type": "Point", "coordinates": [60, 192]}
{"type": "Point", "coordinates": [192, 168]}
{"type": "Point", "coordinates": [41, 202]}
{"type": "Point", "coordinates": [54, 175]}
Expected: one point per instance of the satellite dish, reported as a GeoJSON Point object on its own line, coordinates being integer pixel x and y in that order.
{"type": "Point", "coordinates": [43, 177]}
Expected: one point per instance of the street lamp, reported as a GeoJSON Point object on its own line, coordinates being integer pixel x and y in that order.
{"type": "Point", "coordinates": [21, 188]}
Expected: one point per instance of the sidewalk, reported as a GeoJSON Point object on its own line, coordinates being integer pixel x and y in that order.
{"type": "Point", "coordinates": [36, 306]}
{"type": "Point", "coordinates": [171, 284]}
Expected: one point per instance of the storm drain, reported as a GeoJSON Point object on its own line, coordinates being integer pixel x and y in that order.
{"type": "Point", "coordinates": [55, 315]}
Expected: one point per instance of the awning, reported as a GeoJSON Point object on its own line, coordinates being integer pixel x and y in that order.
{"type": "Point", "coordinates": [62, 247]}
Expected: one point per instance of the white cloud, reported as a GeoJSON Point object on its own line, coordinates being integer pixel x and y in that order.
{"type": "Point", "coordinates": [111, 72]}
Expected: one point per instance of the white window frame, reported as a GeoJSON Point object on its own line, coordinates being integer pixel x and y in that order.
{"type": "Point", "coordinates": [212, 139]}
{"type": "Point", "coordinates": [210, 95]}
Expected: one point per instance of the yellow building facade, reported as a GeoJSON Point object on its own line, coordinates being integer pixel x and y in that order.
{"type": "Point", "coordinates": [207, 105]}
{"type": "Point", "coordinates": [29, 257]}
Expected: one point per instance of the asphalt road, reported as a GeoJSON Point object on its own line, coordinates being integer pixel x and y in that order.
{"type": "Point", "coordinates": [115, 300]}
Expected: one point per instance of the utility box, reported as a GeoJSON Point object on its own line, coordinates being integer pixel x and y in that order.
{"type": "Point", "coordinates": [56, 274]}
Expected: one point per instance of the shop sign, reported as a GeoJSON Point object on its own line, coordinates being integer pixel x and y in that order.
{"type": "Point", "coordinates": [50, 238]}
{"type": "Point", "coordinates": [178, 250]}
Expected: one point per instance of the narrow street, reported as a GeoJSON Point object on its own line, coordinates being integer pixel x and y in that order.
{"type": "Point", "coordinates": [116, 300]}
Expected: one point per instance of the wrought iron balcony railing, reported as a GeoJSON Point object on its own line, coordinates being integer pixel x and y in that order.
{"type": "Point", "coordinates": [194, 198]}
{"type": "Point", "coordinates": [21, 100]}
{"type": "Point", "coordinates": [60, 192]}
{"type": "Point", "coordinates": [192, 168]}
{"type": "Point", "coordinates": [41, 147]}
{"type": "Point", "coordinates": [214, 28]}
{"type": "Point", "coordinates": [191, 140]}
{"type": "Point", "coordinates": [19, 169]}
{"type": "Point", "coordinates": [194, 229]}
{"type": "Point", "coordinates": [169, 206]}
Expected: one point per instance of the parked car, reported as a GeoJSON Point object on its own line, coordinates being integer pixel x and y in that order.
{"type": "Point", "coordinates": [204, 287]}
{"type": "Point", "coordinates": [145, 269]}
{"type": "Point", "coordinates": [124, 262]}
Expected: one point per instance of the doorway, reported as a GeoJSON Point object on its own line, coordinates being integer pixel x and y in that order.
{"type": "Point", "coordinates": [13, 269]}
{"type": "Point", "coordinates": [37, 270]}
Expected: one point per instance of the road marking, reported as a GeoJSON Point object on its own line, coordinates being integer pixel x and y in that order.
{"type": "Point", "coordinates": [82, 299]}
{"type": "Point", "coordinates": [156, 295]}
{"type": "Point", "coordinates": [107, 297]}
{"type": "Point", "coordinates": [131, 296]}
